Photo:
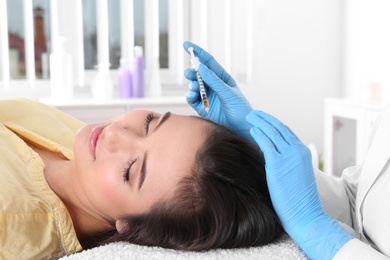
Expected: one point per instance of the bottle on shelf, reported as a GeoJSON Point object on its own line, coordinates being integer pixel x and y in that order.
{"type": "Point", "coordinates": [125, 79]}
{"type": "Point", "coordinates": [138, 73]}
{"type": "Point", "coordinates": [61, 71]}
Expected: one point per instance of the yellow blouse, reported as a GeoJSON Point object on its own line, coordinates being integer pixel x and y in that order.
{"type": "Point", "coordinates": [34, 223]}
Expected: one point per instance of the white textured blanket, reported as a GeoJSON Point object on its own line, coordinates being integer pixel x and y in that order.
{"type": "Point", "coordinates": [285, 248]}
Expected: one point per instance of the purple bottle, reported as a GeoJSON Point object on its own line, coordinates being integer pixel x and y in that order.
{"type": "Point", "coordinates": [125, 80]}
{"type": "Point", "coordinates": [138, 72]}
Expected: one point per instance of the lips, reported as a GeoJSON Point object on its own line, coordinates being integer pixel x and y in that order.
{"type": "Point", "coordinates": [94, 138]}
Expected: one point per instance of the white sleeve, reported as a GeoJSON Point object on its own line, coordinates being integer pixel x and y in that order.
{"type": "Point", "coordinates": [335, 197]}
{"type": "Point", "coordinates": [357, 250]}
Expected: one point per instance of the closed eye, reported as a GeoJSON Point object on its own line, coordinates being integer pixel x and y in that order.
{"type": "Point", "coordinates": [148, 119]}
{"type": "Point", "coordinates": [126, 171]}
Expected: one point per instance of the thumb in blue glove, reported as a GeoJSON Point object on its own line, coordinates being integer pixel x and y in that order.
{"type": "Point", "coordinates": [294, 194]}
{"type": "Point", "coordinates": [228, 106]}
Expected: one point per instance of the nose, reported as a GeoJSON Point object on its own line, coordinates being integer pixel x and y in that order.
{"type": "Point", "coordinates": [116, 137]}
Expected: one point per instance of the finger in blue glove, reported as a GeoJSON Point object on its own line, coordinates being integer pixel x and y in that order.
{"type": "Point", "coordinates": [293, 190]}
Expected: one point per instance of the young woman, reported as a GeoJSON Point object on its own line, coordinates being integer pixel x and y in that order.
{"type": "Point", "coordinates": [165, 180]}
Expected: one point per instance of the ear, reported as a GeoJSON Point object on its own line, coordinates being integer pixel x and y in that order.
{"type": "Point", "coordinates": [122, 226]}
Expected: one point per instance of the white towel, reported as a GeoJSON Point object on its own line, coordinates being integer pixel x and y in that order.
{"type": "Point", "coordinates": [284, 248]}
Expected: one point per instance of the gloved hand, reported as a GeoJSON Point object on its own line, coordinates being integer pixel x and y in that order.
{"type": "Point", "coordinates": [293, 189]}
{"type": "Point", "coordinates": [228, 106]}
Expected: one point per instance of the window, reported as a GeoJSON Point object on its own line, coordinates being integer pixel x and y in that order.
{"type": "Point", "coordinates": [114, 28]}
{"type": "Point", "coordinates": [17, 59]}
{"type": "Point", "coordinates": [33, 24]}
{"type": "Point", "coordinates": [17, 35]}
{"type": "Point", "coordinates": [28, 29]}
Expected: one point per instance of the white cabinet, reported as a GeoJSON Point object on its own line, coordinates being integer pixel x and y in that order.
{"type": "Point", "coordinates": [92, 111]}
{"type": "Point", "coordinates": [348, 126]}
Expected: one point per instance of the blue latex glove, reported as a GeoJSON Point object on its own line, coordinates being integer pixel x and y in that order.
{"type": "Point", "coordinates": [228, 106]}
{"type": "Point", "coordinates": [293, 189]}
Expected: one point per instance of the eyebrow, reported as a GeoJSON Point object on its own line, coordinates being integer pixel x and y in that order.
{"type": "Point", "coordinates": [163, 118]}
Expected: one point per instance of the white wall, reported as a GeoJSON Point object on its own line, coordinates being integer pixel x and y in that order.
{"type": "Point", "coordinates": [367, 48]}
{"type": "Point", "coordinates": [297, 58]}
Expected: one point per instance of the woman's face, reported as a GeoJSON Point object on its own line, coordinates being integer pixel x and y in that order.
{"type": "Point", "coordinates": [126, 165]}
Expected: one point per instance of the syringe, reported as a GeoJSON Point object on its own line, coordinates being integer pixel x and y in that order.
{"type": "Point", "coordinates": [195, 64]}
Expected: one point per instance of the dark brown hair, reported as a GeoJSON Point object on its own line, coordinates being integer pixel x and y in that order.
{"type": "Point", "coordinates": [223, 203]}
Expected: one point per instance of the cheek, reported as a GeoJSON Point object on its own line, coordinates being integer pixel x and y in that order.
{"type": "Point", "coordinates": [110, 187]}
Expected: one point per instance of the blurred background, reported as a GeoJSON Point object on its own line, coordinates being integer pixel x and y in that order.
{"type": "Point", "coordinates": [289, 57]}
